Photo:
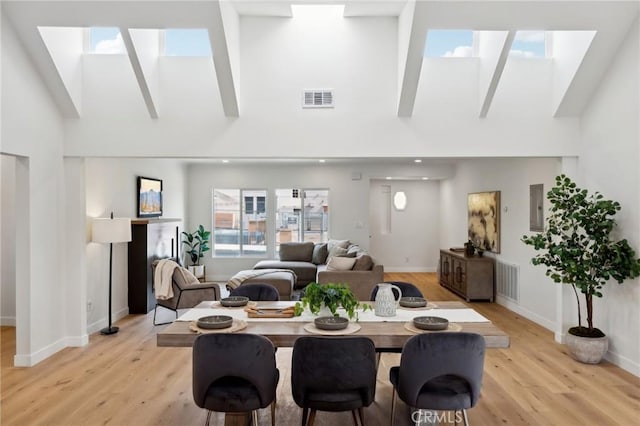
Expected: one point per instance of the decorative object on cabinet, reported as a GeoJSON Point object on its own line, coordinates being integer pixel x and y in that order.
{"type": "Point", "coordinates": [112, 230]}
{"type": "Point", "coordinates": [471, 277]}
{"type": "Point", "coordinates": [149, 197]}
{"type": "Point", "coordinates": [197, 243]}
{"type": "Point", "coordinates": [152, 239]}
{"type": "Point", "coordinates": [484, 220]}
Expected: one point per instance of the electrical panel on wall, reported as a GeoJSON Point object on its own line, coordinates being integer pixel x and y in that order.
{"type": "Point", "coordinates": [317, 98]}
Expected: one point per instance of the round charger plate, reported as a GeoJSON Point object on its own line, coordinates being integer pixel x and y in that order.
{"type": "Point", "coordinates": [217, 304]}
{"type": "Point", "coordinates": [331, 323]}
{"type": "Point", "coordinates": [351, 328]}
{"type": "Point", "coordinates": [234, 301]}
{"type": "Point", "coordinates": [430, 305]}
{"type": "Point", "coordinates": [430, 323]}
{"type": "Point", "coordinates": [451, 328]}
{"type": "Point", "coordinates": [215, 321]}
{"type": "Point", "coordinates": [413, 302]}
{"type": "Point", "coordinates": [237, 325]}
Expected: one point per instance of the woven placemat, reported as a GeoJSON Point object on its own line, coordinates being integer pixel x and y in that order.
{"type": "Point", "coordinates": [452, 327]}
{"type": "Point", "coordinates": [351, 328]}
{"type": "Point", "coordinates": [218, 305]}
{"type": "Point", "coordinates": [236, 325]}
{"type": "Point", "coordinates": [430, 305]}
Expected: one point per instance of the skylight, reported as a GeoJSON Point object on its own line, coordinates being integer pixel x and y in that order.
{"type": "Point", "coordinates": [187, 42]}
{"type": "Point", "coordinates": [106, 41]}
{"type": "Point", "coordinates": [449, 44]}
{"type": "Point", "coordinates": [528, 44]}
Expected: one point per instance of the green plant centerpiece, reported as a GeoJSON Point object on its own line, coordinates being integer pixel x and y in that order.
{"type": "Point", "coordinates": [197, 243]}
{"type": "Point", "coordinates": [333, 296]}
{"type": "Point", "coordinates": [578, 248]}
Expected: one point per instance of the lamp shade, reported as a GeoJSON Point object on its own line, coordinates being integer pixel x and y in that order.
{"type": "Point", "coordinates": [115, 230]}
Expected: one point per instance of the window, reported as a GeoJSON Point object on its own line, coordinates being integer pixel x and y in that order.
{"type": "Point", "coordinates": [449, 44]}
{"type": "Point", "coordinates": [528, 44]}
{"type": "Point", "coordinates": [187, 42]}
{"type": "Point", "coordinates": [106, 41]}
{"type": "Point", "coordinates": [302, 215]}
{"type": "Point", "coordinates": [239, 222]}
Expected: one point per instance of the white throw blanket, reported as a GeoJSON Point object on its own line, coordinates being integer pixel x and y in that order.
{"type": "Point", "coordinates": [242, 276]}
{"type": "Point", "coordinates": [163, 279]}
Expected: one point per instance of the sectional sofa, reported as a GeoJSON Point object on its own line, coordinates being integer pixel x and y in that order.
{"type": "Point", "coordinates": [336, 261]}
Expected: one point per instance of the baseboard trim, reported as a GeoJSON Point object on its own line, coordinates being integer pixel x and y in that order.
{"type": "Point", "coordinates": [409, 269]}
{"type": "Point", "coordinates": [29, 360]}
{"type": "Point", "coordinates": [623, 362]}
{"type": "Point", "coordinates": [513, 306]}
{"type": "Point", "coordinates": [8, 321]}
{"type": "Point", "coordinates": [104, 322]}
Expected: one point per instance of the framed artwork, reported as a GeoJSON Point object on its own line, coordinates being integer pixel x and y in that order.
{"type": "Point", "coordinates": [483, 213]}
{"type": "Point", "coordinates": [536, 205]}
{"type": "Point", "coordinates": [149, 197]}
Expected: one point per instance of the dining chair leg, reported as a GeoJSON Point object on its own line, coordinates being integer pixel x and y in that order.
{"type": "Point", "coordinates": [354, 416]}
{"type": "Point", "coordinates": [312, 417]}
{"type": "Point", "coordinates": [361, 415]}
{"type": "Point", "coordinates": [208, 418]}
{"type": "Point", "coordinates": [254, 415]}
{"type": "Point", "coordinates": [393, 406]}
{"type": "Point", "coordinates": [465, 418]}
{"type": "Point", "coordinates": [305, 413]}
{"type": "Point", "coordinates": [378, 356]}
{"type": "Point", "coordinates": [273, 413]}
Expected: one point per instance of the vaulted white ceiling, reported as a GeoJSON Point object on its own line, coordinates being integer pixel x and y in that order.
{"type": "Point", "coordinates": [586, 37]}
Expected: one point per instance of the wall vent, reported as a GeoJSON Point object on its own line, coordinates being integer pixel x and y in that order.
{"type": "Point", "coordinates": [507, 280]}
{"type": "Point", "coordinates": [317, 98]}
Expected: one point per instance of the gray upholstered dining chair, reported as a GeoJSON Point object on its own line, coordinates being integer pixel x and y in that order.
{"type": "Point", "coordinates": [257, 292]}
{"type": "Point", "coordinates": [439, 371]}
{"type": "Point", "coordinates": [186, 294]}
{"type": "Point", "coordinates": [333, 374]}
{"type": "Point", "coordinates": [234, 373]}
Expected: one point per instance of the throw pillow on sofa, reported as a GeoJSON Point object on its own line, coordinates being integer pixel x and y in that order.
{"type": "Point", "coordinates": [338, 263]}
{"type": "Point", "coordinates": [364, 262]}
{"type": "Point", "coordinates": [339, 252]}
{"type": "Point", "coordinates": [296, 252]}
{"type": "Point", "coordinates": [337, 243]}
{"type": "Point", "coordinates": [320, 254]}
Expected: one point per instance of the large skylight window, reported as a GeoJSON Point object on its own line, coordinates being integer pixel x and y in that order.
{"type": "Point", "coordinates": [106, 41]}
{"type": "Point", "coordinates": [187, 42]}
{"type": "Point", "coordinates": [528, 44]}
{"type": "Point", "coordinates": [449, 44]}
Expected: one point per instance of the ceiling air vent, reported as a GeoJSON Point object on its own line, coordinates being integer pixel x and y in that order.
{"type": "Point", "coordinates": [321, 98]}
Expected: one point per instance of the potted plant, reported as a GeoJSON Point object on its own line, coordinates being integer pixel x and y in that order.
{"type": "Point", "coordinates": [330, 296]}
{"type": "Point", "coordinates": [197, 243]}
{"type": "Point", "coordinates": [578, 250]}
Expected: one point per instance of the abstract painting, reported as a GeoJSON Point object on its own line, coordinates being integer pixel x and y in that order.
{"type": "Point", "coordinates": [484, 220]}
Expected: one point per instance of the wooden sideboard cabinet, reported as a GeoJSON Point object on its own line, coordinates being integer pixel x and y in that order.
{"type": "Point", "coordinates": [151, 239]}
{"type": "Point", "coordinates": [471, 277]}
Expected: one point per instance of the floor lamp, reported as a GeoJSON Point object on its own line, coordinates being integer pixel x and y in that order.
{"type": "Point", "coordinates": [110, 230]}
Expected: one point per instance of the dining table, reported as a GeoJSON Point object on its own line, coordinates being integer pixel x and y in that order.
{"type": "Point", "coordinates": [385, 332]}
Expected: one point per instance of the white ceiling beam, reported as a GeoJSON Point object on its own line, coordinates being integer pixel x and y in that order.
{"type": "Point", "coordinates": [223, 22]}
{"type": "Point", "coordinates": [411, 39]}
{"type": "Point", "coordinates": [138, 71]}
{"type": "Point", "coordinates": [493, 51]}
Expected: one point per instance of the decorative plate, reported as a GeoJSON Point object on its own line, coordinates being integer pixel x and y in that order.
{"type": "Point", "coordinates": [331, 323]}
{"type": "Point", "coordinates": [430, 323]}
{"type": "Point", "coordinates": [215, 322]}
{"type": "Point", "coordinates": [413, 302]}
{"type": "Point", "coordinates": [234, 301]}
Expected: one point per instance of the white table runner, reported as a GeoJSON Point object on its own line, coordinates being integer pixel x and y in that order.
{"type": "Point", "coordinates": [402, 315]}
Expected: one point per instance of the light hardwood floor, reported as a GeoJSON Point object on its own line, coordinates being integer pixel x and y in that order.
{"type": "Point", "coordinates": [126, 380]}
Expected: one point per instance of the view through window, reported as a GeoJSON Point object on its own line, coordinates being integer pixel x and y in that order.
{"type": "Point", "coordinates": [239, 222]}
{"type": "Point", "coordinates": [302, 215]}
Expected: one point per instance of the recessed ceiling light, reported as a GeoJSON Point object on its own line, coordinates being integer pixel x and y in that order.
{"type": "Point", "coordinates": [388, 178]}
{"type": "Point", "coordinates": [425, 178]}
{"type": "Point", "coordinates": [225, 161]}
{"type": "Point", "coordinates": [417, 160]}
{"type": "Point", "coordinates": [321, 161]}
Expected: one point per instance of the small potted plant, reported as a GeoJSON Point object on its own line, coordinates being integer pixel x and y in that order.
{"type": "Point", "coordinates": [330, 296]}
{"type": "Point", "coordinates": [196, 243]}
{"type": "Point", "coordinates": [579, 251]}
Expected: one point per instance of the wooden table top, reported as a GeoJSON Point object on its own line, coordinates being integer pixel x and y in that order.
{"type": "Point", "coordinates": [383, 334]}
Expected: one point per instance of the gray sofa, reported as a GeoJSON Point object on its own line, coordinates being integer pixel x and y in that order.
{"type": "Point", "coordinates": [337, 261]}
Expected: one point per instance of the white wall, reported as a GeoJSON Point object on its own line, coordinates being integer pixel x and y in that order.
{"type": "Point", "coordinates": [32, 128]}
{"type": "Point", "coordinates": [358, 58]}
{"type": "Point", "coordinates": [411, 243]}
{"type": "Point", "coordinates": [111, 186]}
{"type": "Point", "coordinates": [608, 163]}
{"type": "Point", "coordinates": [348, 198]}
{"type": "Point", "coordinates": [512, 178]}
{"type": "Point", "coordinates": [8, 232]}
